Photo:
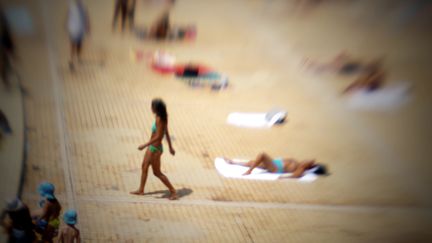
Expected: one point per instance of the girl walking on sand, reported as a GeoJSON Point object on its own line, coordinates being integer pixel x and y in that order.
{"type": "Point", "coordinates": [154, 152]}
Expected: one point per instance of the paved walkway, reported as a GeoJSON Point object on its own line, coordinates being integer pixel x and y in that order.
{"type": "Point", "coordinates": [84, 128]}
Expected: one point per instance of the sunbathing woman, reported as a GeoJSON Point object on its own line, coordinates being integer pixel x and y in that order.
{"type": "Point", "coordinates": [279, 165]}
{"type": "Point", "coordinates": [371, 80]}
{"type": "Point", "coordinates": [155, 149]}
{"type": "Point", "coordinates": [343, 64]}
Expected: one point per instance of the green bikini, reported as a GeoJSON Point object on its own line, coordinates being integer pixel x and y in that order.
{"type": "Point", "coordinates": [152, 148]}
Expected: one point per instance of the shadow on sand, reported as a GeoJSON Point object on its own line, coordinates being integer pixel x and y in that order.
{"type": "Point", "coordinates": [165, 193]}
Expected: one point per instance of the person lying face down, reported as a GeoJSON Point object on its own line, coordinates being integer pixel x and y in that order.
{"type": "Point", "coordinates": [373, 79]}
{"type": "Point", "coordinates": [343, 63]}
{"type": "Point", "coordinates": [281, 165]}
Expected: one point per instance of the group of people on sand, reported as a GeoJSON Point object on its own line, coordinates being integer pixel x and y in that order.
{"type": "Point", "coordinates": [78, 25]}
{"type": "Point", "coordinates": [43, 225]}
{"type": "Point", "coordinates": [159, 130]}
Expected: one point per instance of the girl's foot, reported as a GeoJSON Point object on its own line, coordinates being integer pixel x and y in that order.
{"type": "Point", "coordinates": [137, 192]}
{"type": "Point", "coordinates": [173, 196]}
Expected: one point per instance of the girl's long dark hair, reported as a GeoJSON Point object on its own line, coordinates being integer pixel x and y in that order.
{"type": "Point", "coordinates": [159, 107]}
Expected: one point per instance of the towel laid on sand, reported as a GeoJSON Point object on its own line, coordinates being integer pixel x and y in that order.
{"type": "Point", "coordinates": [256, 120]}
{"type": "Point", "coordinates": [236, 171]}
{"type": "Point", "coordinates": [388, 98]}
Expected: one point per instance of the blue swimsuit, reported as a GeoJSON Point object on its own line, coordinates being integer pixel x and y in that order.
{"type": "Point", "coordinates": [279, 165]}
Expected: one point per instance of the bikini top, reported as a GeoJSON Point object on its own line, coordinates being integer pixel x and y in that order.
{"type": "Point", "coordinates": [153, 129]}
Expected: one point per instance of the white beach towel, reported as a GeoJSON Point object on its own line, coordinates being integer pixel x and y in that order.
{"type": "Point", "coordinates": [236, 172]}
{"type": "Point", "coordinates": [256, 120]}
{"type": "Point", "coordinates": [387, 98]}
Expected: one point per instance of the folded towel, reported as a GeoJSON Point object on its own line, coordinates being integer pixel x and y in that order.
{"type": "Point", "coordinates": [256, 120]}
{"type": "Point", "coordinates": [236, 171]}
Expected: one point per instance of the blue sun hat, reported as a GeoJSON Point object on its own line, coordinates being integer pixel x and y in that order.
{"type": "Point", "coordinates": [70, 217]}
{"type": "Point", "coordinates": [46, 190]}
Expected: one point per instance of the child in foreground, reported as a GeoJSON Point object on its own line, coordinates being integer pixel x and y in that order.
{"type": "Point", "coordinates": [69, 233]}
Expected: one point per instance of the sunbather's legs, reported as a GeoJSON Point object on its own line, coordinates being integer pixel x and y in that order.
{"type": "Point", "coordinates": [263, 161]}
{"type": "Point", "coordinates": [246, 164]}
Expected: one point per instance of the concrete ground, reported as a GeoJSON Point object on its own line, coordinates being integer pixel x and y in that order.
{"type": "Point", "coordinates": [84, 127]}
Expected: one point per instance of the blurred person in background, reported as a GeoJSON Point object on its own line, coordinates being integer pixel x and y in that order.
{"type": "Point", "coordinates": [131, 14]}
{"type": "Point", "coordinates": [342, 63]}
{"type": "Point", "coordinates": [78, 25]}
{"type": "Point", "coordinates": [125, 10]}
{"type": "Point", "coordinates": [7, 49]}
{"type": "Point", "coordinates": [161, 26]}
{"type": "Point", "coordinates": [372, 79]}
{"type": "Point", "coordinates": [17, 222]}
{"type": "Point", "coordinates": [5, 127]}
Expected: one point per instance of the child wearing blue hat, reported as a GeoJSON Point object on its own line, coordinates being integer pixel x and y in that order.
{"type": "Point", "coordinates": [69, 233]}
{"type": "Point", "coordinates": [47, 221]}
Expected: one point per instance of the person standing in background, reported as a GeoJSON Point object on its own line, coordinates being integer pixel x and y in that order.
{"type": "Point", "coordinates": [131, 14]}
{"type": "Point", "coordinates": [120, 8]}
{"type": "Point", "coordinates": [7, 49]}
{"type": "Point", "coordinates": [78, 25]}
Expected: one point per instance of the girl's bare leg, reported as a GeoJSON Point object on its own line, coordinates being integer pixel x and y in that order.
{"type": "Point", "coordinates": [116, 14]}
{"type": "Point", "coordinates": [262, 161]}
{"type": "Point", "coordinates": [144, 171]}
{"type": "Point", "coordinates": [158, 173]}
{"type": "Point", "coordinates": [72, 54]}
{"type": "Point", "coordinates": [78, 51]}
